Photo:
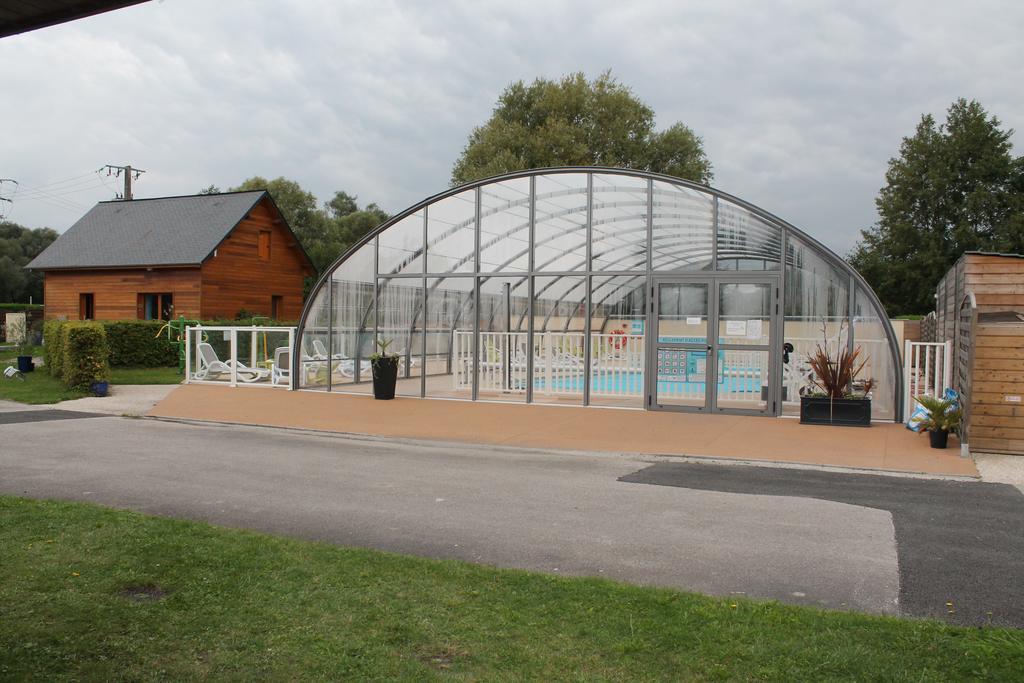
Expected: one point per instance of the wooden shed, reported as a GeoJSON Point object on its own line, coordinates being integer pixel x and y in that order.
{"type": "Point", "coordinates": [980, 307]}
{"type": "Point", "coordinates": [201, 256]}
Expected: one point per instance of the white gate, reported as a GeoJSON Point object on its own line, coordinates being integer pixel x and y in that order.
{"type": "Point", "coordinates": [927, 369]}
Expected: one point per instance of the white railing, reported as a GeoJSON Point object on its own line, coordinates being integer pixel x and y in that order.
{"type": "Point", "coordinates": [927, 369]}
{"type": "Point", "coordinates": [239, 356]}
{"type": "Point", "coordinates": [617, 367]}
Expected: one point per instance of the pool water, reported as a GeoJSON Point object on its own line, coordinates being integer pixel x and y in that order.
{"type": "Point", "coordinates": [633, 383]}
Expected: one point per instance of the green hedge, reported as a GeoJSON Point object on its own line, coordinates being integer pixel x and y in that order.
{"type": "Point", "coordinates": [138, 343]}
{"type": "Point", "coordinates": [85, 354]}
{"type": "Point", "coordinates": [18, 308]}
{"type": "Point", "coordinates": [53, 347]}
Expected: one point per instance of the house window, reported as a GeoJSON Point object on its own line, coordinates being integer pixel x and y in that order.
{"type": "Point", "coordinates": [263, 245]}
{"type": "Point", "coordinates": [86, 309]}
{"type": "Point", "coordinates": [276, 306]}
{"type": "Point", "coordinates": [156, 306]}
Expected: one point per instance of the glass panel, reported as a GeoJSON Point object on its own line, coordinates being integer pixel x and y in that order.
{"type": "Point", "coordinates": [505, 226]}
{"type": "Point", "coordinates": [817, 302]}
{"type": "Point", "coordinates": [746, 241]}
{"type": "Point", "coordinates": [744, 313]}
{"type": "Point", "coordinates": [870, 335]}
{"type": "Point", "coordinates": [503, 338]}
{"type": "Point", "coordinates": [682, 377]}
{"type": "Point", "coordinates": [683, 227]}
{"type": "Point", "coordinates": [449, 337]}
{"type": "Point", "coordinates": [683, 313]}
{"type": "Point", "coordinates": [401, 247]}
{"type": "Point", "coordinates": [559, 310]}
{"type": "Point", "coordinates": [560, 234]}
{"type": "Point", "coordinates": [617, 340]}
{"type": "Point", "coordinates": [451, 234]}
{"type": "Point", "coordinates": [619, 232]}
{"type": "Point", "coordinates": [400, 316]}
{"type": "Point", "coordinates": [353, 319]}
{"type": "Point", "coordinates": [313, 344]}
{"type": "Point", "coordinates": [742, 380]}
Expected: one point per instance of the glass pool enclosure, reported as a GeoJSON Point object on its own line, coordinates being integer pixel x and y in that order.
{"type": "Point", "coordinates": [593, 286]}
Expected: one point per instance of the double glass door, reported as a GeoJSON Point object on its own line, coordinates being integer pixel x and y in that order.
{"type": "Point", "coordinates": [712, 346]}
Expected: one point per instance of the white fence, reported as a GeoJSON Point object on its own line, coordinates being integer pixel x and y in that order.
{"type": "Point", "coordinates": [927, 369]}
{"type": "Point", "coordinates": [618, 366]}
{"type": "Point", "coordinates": [239, 356]}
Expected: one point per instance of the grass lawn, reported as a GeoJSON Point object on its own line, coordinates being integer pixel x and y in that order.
{"type": "Point", "coordinates": [40, 387]}
{"type": "Point", "coordinates": [90, 593]}
{"type": "Point", "coordinates": [145, 376]}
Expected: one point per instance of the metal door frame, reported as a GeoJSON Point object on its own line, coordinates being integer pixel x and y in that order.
{"type": "Point", "coordinates": [714, 280]}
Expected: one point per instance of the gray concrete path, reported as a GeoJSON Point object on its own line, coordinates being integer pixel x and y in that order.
{"type": "Point", "coordinates": [548, 511]}
{"type": "Point", "coordinates": [124, 399]}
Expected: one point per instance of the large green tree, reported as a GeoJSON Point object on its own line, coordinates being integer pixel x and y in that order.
{"type": "Point", "coordinates": [955, 187]}
{"type": "Point", "coordinates": [18, 246]}
{"type": "Point", "coordinates": [576, 122]}
{"type": "Point", "coordinates": [325, 232]}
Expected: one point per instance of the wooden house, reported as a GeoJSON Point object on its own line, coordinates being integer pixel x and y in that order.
{"type": "Point", "coordinates": [200, 256]}
{"type": "Point", "coordinates": [980, 308]}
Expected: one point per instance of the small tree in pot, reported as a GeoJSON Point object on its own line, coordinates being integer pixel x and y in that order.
{"type": "Point", "coordinates": [836, 395]}
{"type": "Point", "coordinates": [943, 416]}
{"type": "Point", "coordinates": [385, 371]}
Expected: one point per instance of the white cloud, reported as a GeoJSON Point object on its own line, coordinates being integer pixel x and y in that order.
{"type": "Point", "coordinates": [800, 105]}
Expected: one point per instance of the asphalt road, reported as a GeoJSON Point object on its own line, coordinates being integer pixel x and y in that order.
{"type": "Point", "coordinates": [960, 544]}
{"type": "Point", "coordinates": [553, 512]}
{"type": "Point", "coordinates": [801, 537]}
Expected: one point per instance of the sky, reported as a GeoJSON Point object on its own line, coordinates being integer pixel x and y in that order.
{"type": "Point", "coordinates": [800, 104]}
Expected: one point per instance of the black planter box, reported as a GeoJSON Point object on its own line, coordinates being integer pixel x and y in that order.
{"type": "Point", "coordinates": [385, 375]}
{"type": "Point", "coordinates": [846, 412]}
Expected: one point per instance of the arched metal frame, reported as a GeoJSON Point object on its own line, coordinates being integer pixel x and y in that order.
{"type": "Point", "coordinates": [644, 254]}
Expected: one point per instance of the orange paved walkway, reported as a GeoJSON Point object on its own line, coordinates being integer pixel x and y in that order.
{"type": "Point", "coordinates": [883, 446]}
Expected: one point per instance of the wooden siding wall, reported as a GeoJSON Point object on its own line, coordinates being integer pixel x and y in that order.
{"type": "Point", "coordinates": [997, 283]}
{"type": "Point", "coordinates": [115, 292]}
{"type": "Point", "coordinates": [237, 279]}
{"type": "Point", "coordinates": [997, 424]}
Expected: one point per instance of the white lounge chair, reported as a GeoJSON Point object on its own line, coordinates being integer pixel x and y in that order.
{"type": "Point", "coordinates": [210, 366]}
{"type": "Point", "coordinates": [340, 362]}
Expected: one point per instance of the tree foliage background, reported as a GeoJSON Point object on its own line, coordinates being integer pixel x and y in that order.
{"type": "Point", "coordinates": [954, 187]}
{"type": "Point", "coordinates": [576, 122]}
{"type": "Point", "coordinates": [18, 246]}
{"type": "Point", "coordinates": [325, 232]}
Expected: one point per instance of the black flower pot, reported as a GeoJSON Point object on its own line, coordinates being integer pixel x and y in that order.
{"type": "Point", "coordinates": [939, 438]}
{"type": "Point", "coordinates": [25, 364]}
{"type": "Point", "coordinates": [385, 375]}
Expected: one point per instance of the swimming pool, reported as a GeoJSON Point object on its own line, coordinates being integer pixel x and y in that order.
{"type": "Point", "coordinates": [633, 383]}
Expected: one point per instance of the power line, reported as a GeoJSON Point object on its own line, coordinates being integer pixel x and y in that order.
{"type": "Point", "coordinates": [129, 175]}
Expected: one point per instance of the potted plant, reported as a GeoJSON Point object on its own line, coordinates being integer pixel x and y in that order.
{"type": "Point", "coordinates": [835, 395]}
{"type": "Point", "coordinates": [25, 362]}
{"type": "Point", "coordinates": [385, 371]}
{"type": "Point", "coordinates": [942, 416]}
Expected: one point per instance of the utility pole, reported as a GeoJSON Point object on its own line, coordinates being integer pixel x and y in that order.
{"type": "Point", "coordinates": [129, 174]}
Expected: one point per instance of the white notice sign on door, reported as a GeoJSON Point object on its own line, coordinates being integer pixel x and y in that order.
{"type": "Point", "coordinates": [735, 328]}
{"type": "Point", "coordinates": [754, 329]}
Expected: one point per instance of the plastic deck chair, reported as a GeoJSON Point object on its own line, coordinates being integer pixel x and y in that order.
{"type": "Point", "coordinates": [340, 362]}
{"type": "Point", "coordinates": [210, 364]}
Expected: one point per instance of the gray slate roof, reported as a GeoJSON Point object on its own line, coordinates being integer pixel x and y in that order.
{"type": "Point", "coordinates": [148, 232]}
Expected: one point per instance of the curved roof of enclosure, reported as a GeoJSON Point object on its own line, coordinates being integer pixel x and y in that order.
{"type": "Point", "coordinates": [571, 222]}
